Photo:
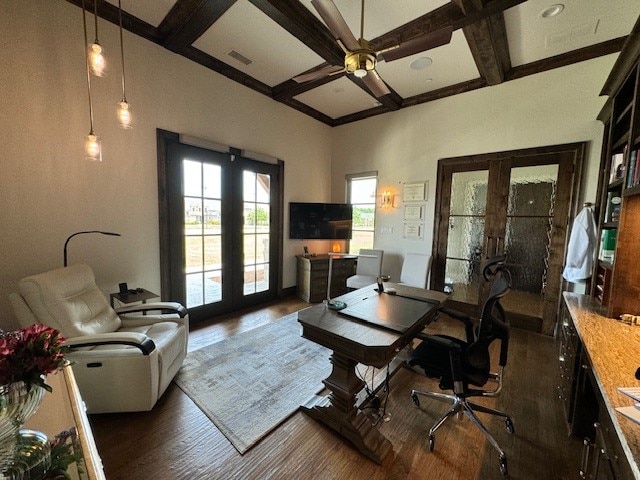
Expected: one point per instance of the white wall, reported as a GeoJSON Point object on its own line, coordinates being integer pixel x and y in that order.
{"type": "Point", "coordinates": [49, 190]}
{"type": "Point", "coordinates": [554, 107]}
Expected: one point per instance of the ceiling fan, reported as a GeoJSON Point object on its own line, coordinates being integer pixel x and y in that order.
{"type": "Point", "coordinates": [360, 59]}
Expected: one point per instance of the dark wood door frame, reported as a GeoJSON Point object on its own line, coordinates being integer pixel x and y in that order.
{"type": "Point", "coordinates": [482, 161]}
{"type": "Point", "coordinates": [166, 138]}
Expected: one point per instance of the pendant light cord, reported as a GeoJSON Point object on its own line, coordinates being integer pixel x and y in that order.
{"type": "Point", "coordinates": [95, 17]}
{"type": "Point", "coordinates": [124, 96]}
{"type": "Point", "coordinates": [86, 46]}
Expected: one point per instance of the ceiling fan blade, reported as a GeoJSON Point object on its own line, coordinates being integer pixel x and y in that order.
{"type": "Point", "coordinates": [418, 44]}
{"type": "Point", "coordinates": [375, 84]}
{"type": "Point", "coordinates": [323, 71]}
{"type": "Point", "coordinates": [336, 24]}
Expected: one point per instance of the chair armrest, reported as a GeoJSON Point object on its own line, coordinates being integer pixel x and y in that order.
{"type": "Point", "coordinates": [133, 339]}
{"type": "Point", "coordinates": [440, 341]}
{"type": "Point", "coordinates": [464, 318]}
{"type": "Point", "coordinates": [165, 307]}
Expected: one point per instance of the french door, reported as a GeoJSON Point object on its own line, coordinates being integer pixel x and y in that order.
{"type": "Point", "coordinates": [515, 203]}
{"type": "Point", "coordinates": [222, 232]}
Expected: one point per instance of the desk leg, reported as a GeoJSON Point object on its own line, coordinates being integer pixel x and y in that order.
{"type": "Point", "coordinates": [338, 411]}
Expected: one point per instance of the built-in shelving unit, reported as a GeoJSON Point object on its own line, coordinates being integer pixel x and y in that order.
{"type": "Point", "coordinates": [616, 277]}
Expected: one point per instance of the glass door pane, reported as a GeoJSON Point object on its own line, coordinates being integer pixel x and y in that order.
{"type": "Point", "coordinates": [467, 215]}
{"type": "Point", "coordinates": [256, 231]}
{"type": "Point", "coordinates": [527, 235]}
{"type": "Point", "coordinates": [202, 232]}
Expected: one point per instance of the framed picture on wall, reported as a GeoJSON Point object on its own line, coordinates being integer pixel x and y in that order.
{"type": "Point", "coordinates": [414, 192]}
{"type": "Point", "coordinates": [412, 230]}
{"type": "Point", "coordinates": [414, 212]}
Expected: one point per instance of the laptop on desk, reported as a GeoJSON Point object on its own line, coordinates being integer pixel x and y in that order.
{"type": "Point", "coordinates": [393, 312]}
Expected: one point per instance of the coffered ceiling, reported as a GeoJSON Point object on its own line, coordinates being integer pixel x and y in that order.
{"type": "Point", "coordinates": [265, 44]}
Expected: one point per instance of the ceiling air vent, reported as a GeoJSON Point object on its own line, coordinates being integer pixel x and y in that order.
{"type": "Point", "coordinates": [239, 57]}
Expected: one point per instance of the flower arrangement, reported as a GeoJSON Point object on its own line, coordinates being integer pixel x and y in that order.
{"type": "Point", "coordinates": [29, 354]}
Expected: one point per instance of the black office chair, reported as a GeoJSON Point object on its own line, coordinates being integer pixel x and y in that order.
{"type": "Point", "coordinates": [464, 366]}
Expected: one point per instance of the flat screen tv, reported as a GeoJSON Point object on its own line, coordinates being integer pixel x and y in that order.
{"type": "Point", "coordinates": [319, 221]}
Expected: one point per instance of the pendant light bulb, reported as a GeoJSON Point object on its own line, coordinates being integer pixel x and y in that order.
{"type": "Point", "coordinates": [97, 63]}
{"type": "Point", "coordinates": [92, 148]}
{"type": "Point", "coordinates": [124, 115]}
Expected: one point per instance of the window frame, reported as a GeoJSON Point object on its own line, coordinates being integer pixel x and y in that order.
{"type": "Point", "coordinates": [349, 178]}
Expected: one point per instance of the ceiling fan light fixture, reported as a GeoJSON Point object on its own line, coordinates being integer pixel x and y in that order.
{"type": "Point", "coordinates": [360, 62]}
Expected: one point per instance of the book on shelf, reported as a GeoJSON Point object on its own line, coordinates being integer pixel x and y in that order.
{"type": "Point", "coordinates": [631, 171]}
{"type": "Point", "coordinates": [636, 170]}
{"type": "Point", "coordinates": [612, 212]}
{"type": "Point", "coordinates": [608, 244]}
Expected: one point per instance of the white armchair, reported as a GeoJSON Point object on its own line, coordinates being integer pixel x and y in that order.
{"type": "Point", "coordinates": [123, 360]}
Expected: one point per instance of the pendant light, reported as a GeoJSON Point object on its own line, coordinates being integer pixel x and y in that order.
{"type": "Point", "coordinates": [92, 145]}
{"type": "Point", "coordinates": [97, 63]}
{"type": "Point", "coordinates": [124, 109]}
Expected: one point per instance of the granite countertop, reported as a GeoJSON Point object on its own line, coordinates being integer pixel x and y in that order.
{"type": "Point", "coordinates": [614, 351]}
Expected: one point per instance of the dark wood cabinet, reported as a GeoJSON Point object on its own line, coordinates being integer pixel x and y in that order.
{"type": "Point", "coordinates": [585, 410]}
{"type": "Point", "coordinates": [616, 277]}
{"type": "Point", "coordinates": [313, 275]}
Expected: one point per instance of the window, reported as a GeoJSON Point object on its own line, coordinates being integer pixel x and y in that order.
{"type": "Point", "coordinates": [361, 194]}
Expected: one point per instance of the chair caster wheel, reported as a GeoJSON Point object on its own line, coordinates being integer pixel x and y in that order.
{"type": "Point", "coordinates": [432, 442]}
{"type": "Point", "coordinates": [416, 400]}
{"type": "Point", "coordinates": [503, 466]}
{"type": "Point", "coordinates": [508, 424]}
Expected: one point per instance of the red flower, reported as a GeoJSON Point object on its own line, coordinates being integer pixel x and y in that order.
{"type": "Point", "coordinates": [30, 354]}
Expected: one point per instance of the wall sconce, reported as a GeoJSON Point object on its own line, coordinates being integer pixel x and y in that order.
{"type": "Point", "coordinates": [387, 200]}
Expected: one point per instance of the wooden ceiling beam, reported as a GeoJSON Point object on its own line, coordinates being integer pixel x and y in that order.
{"type": "Point", "coordinates": [189, 19]}
{"type": "Point", "coordinates": [487, 41]}
{"type": "Point", "coordinates": [294, 17]}
{"type": "Point", "coordinates": [133, 24]}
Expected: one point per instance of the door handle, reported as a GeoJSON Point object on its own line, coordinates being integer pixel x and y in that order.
{"type": "Point", "coordinates": [486, 246]}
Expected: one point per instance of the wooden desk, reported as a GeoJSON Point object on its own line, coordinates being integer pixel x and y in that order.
{"type": "Point", "coordinates": [356, 342]}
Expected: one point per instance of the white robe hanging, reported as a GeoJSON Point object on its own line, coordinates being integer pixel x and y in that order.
{"type": "Point", "coordinates": [581, 252]}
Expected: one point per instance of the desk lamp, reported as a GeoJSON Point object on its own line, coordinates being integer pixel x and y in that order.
{"type": "Point", "coordinates": [80, 233]}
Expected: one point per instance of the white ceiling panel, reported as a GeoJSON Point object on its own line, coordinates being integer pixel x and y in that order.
{"type": "Point", "coordinates": [582, 23]}
{"type": "Point", "coordinates": [380, 16]}
{"type": "Point", "coordinates": [338, 98]}
{"type": "Point", "coordinates": [451, 64]}
{"type": "Point", "coordinates": [276, 55]}
{"type": "Point", "coordinates": [150, 11]}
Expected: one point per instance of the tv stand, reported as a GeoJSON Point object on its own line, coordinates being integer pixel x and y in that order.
{"type": "Point", "coordinates": [313, 274]}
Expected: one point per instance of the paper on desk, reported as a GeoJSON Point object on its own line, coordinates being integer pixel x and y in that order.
{"type": "Point", "coordinates": [632, 413]}
{"type": "Point", "coordinates": [633, 392]}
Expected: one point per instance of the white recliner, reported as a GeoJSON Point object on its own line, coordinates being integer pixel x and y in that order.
{"type": "Point", "coordinates": [123, 360]}
{"type": "Point", "coordinates": [368, 269]}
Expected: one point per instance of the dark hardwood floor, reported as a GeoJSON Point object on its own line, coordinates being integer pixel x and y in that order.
{"type": "Point", "coordinates": [177, 441]}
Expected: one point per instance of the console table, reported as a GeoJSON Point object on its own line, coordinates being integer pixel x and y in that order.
{"type": "Point", "coordinates": [355, 342]}
{"type": "Point", "coordinates": [313, 274]}
{"type": "Point", "coordinates": [61, 410]}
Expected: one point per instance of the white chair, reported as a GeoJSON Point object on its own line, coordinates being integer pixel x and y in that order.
{"type": "Point", "coordinates": [368, 269]}
{"type": "Point", "coordinates": [123, 360]}
{"type": "Point", "coordinates": [415, 270]}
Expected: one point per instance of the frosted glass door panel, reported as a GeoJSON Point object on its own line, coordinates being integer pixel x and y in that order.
{"type": "Point", "coordinates": [530, 210]}
{"type": "Point", "coordinates": [467, 210]}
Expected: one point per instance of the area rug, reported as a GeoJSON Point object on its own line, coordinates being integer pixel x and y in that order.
{"type": "Point", "coordinates": [250, 383]}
